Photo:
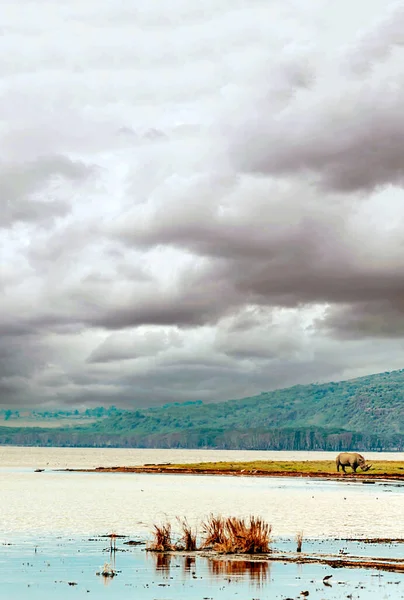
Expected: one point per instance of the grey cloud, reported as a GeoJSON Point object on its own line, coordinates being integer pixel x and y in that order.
{"type": "Point", "coordinates": [263, 340]}
{"type": "Point", "coordinates": [366, 320]}
{"type": "Point", "coordinates": [284, 246]}
{"type": "Point", "coordinates": [15, 389]}
{"type": "Point", "coordinates": [233, 217]}
{"type": "Point", "coordinates": [348, 143]}
{"type": "Point", "coordinates": [133, 345]}
{"type": "Point", "coordinates": [21, 357]}
{"type": "Point", "coordinates": [178, 374]}
{"type": "Point", "coordinates": [285, 285]}
{"type": "Point", "coordinates": [22, 188]}
{"type": "Point", "coordinates": [185, 308]}
{"type": "Point", "coordinates": [104, 302]}
{"type": "Point", "coordinates": [342, 132]}
{"type": "Point", "coordinates": [215, 378]}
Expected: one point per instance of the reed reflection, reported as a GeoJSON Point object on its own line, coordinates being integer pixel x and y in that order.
{"type": "Point", "coordinates": [189, 564]}
{"type": "Point", "coordinates": [258, 572]}
{"type": "Point", "coordinates": [163, 562]}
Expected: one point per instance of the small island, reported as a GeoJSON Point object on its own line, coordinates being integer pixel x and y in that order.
{"type": "Point", "coordinates": [322, 469]}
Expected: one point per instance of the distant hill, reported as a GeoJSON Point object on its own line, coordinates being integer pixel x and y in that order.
{"type": "Point", "coordinates": [367, 413]}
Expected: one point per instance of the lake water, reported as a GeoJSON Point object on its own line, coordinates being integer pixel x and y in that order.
{"type": "Point", "coordinates": [92, 503]}
{"type": "Point", "coordinates": [11, 456]}
{"type": "Point", "coordinates": [49, 517]}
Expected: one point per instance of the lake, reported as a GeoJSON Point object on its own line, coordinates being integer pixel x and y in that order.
{"type": "Point", "coordinates": [56, 513]}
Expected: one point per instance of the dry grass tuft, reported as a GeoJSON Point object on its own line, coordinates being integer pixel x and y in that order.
{"type": "Point", "coordinates": [237, 536]}
{"type": "Point", "coordinates": [230, 535]}
{"type": "Point", "coordinates": [214, 531]}
{"type": "Point", "coordinates": [162, 538]}
{"type": "Point", "coordinates": [188, 539]}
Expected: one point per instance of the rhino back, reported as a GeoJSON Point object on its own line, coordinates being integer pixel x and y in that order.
{"type": "Point", "coordinates": [349, 458]}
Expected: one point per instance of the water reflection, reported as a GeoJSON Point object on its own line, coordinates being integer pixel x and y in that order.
{"type": "Point", "coordinates": [163, 563]}
{"type": "Point", "coordinates": [189, 564]}
{"type": "Point", "coordinates": [106, 579]}
{"type": "Point", "coordinates": [258, 572]}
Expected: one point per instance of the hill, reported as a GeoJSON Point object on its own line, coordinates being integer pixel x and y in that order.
{"type": "Point", "coordinates": [367, 412]}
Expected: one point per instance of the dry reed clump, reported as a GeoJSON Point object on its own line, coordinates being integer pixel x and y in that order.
{"type": "Point", "coordinates": [237, 536]}
{"type": "Point", "coordinates": [162, 538]}
{"type": "Point", "coordinates": [188, 539]}
{"type": "Point", "coordinates": [214, 531]}
{"type": "Point", "coordinates": [230, 535]}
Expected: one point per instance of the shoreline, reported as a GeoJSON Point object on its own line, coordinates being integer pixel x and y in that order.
{"type": "Point", "coordinates": [393, 565]}
{"type": "Point", "coordinates": [161, 469]}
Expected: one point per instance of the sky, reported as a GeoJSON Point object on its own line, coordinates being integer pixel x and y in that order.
{"type": "Point", "coordinates": [199, 199]}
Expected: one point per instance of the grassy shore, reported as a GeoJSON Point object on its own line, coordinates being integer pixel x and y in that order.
{"type": "Point", "coordinates": [299, 467]}
{"type": "Point", "coordinates": [310, 468]}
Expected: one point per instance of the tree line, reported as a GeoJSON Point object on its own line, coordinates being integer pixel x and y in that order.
{"type": "Point", "coordinates": [250, 439]}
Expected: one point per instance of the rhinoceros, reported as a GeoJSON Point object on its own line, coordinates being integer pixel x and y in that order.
{"type": "Point", "coordinates": [353, 460]}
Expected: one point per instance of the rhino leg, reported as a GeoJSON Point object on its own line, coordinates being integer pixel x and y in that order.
{"type": "Point", "coordinates": [354, 467]}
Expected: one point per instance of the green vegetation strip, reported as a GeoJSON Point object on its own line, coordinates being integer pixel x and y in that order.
{"type": "Point", "coordinates": [309, 467]}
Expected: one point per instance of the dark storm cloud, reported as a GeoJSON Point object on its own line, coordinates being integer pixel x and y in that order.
{"type": "Point", "coordinates": [349, 142]}
{"type": "Point", "coordinates": [368, 157]}
{"type": "Point", "coordinates": [282, 247]}
{"type": "Point", "coordinates": [372, 320]}
{"type": "Point", "coordinates": [197, 302]}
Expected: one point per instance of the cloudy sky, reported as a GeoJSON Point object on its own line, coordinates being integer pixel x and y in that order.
{"type": "Point", "coordinates": [199, 199]}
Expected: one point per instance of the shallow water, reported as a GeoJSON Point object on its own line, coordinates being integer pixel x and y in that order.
{"type": "Point", "coordinates": [42, 569]}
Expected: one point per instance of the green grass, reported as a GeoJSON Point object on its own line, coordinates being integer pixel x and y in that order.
{"type": "Point", "coordinates": [309, 466]}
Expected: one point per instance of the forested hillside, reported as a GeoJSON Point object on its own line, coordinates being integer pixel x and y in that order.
{"type": "Point", "coordinates": [367, 413]}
